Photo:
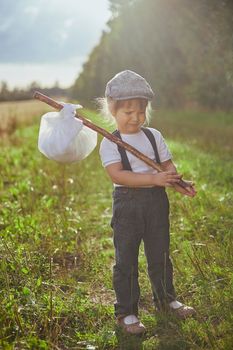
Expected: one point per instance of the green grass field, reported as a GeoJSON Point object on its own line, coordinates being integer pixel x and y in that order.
{"type": "Point", "coordinates": [56, 244]}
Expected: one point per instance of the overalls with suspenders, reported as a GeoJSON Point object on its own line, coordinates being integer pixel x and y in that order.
{"type": "Point", "coordinates": [140, 214]}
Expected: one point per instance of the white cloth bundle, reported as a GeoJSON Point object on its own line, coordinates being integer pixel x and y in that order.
{"type": "Point", "coordinates": [63, 137]}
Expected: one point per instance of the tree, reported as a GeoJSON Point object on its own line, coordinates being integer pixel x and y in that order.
{"type": "Point", "coordinates": [185, 53]}
{"type": "Point", "coordinates": [4, 92]}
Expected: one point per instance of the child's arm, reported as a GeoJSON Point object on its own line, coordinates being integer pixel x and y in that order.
{"type": "Point", "coordinates": [128, 178]}
{"type": "Point", "coordinates": [189, 191]}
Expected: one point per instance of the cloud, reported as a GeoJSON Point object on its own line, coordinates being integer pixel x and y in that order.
{"type": "Point", "coordinates": [6, 24]}
{"type": "Point", "coordinates": [68, 23]}
{"type": "Point", "coordinates": [31, 11]}
{"type": "Point", "coordinates": [65, 31]}
{"type": "Point", "coordinates": [50, 31]}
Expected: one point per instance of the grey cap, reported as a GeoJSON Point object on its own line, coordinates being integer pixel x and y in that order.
{"type": "Point", "coordinates": [127, 85]}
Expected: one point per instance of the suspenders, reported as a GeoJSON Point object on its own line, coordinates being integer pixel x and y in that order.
{"type": "Point", "coordinates": [124, 158]}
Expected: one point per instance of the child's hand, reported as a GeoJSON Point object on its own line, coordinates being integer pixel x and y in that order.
{"type": "Point", "coordinates": [167, 178]}
{"type": "Point", "coordinates": [188, 191]}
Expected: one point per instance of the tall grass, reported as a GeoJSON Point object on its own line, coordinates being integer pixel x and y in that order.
{"type": "Point", "coordinates": [17, 113]}
{"type": "Point", "coordinates": [56, 247]}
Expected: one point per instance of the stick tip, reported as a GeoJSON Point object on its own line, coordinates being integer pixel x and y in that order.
{"type": "Point", "coordinates": [36, 94]}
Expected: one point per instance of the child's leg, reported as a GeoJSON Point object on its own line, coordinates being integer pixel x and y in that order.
{"type": "Point", "coordinates": [125, 278]}
{"type": "Point", "coordinates": [126, 241]}
{"type": "Point", "coordinates": [156, 244]}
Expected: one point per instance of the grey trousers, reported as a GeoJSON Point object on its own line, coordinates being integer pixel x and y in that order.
{"type": "Point", "coordinates": [141, 214]}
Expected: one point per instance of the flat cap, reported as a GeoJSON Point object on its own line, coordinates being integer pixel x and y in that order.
{"type": "Point", "coordinates": [127, 85]}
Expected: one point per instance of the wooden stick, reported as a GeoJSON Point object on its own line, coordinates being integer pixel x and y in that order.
{"type": "Point", "coordinates": [39, 96]}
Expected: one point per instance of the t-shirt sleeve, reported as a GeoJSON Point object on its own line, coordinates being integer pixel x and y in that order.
{"type": "Point", "coordinates": [109, 152]}
{"type": "Point", "coordinates": [164, 152]}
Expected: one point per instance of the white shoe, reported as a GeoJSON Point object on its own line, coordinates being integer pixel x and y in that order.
{"type": "Point", "coordinates": [181, 311]}
{"type": "Point", "coordinates": [131, 324]}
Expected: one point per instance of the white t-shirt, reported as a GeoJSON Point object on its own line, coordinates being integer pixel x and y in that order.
{"type": "Point", "coordinates": [109, 152]}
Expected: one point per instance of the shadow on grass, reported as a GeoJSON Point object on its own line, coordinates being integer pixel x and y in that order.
{"type": "Point", "coordinates": [164, 335]}
{"type": "Point", "coordinates": [168, 334]}
{"type": "Point", "coordinates": [128, 342]}
{"type": "Point", "coordinates": [169, 337]}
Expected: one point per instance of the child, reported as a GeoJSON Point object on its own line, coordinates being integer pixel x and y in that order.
{"type": "Point", "coordinates": [140, 204]}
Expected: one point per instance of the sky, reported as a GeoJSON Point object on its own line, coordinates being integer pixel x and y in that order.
{"type": "Point", "coordinates": [48, 40]}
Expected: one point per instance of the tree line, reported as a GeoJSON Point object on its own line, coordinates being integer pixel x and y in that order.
{"type": "Point", "coordinates": [17, 94]}
{"type": "Point", "coordinates": [183, 48]}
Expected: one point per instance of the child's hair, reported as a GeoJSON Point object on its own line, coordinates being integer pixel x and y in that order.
{"type": "Point", "coordinates": [106, 104]}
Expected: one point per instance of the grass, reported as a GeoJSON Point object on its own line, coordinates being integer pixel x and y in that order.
{"type": "Point", "coordinates": [17, 113]}
{"type": "Point", "coordinates": [210, 131]}
{"type": "Point", "coordinates": [56, 246]}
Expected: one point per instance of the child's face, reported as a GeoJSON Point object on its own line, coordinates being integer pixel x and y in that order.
{"type": "Point", "coordinates": [130, 115]}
